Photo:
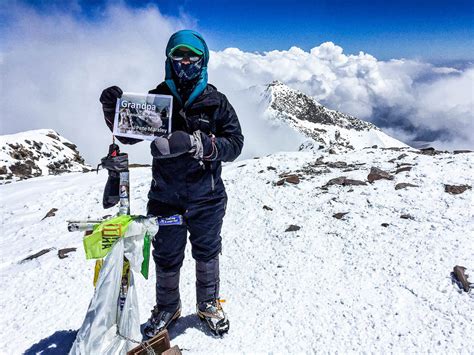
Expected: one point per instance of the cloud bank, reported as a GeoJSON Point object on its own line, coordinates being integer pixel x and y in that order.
{"type": "Point", "coordinates": [412, 100]}
{"type": "Point", "coordinates": [54, 66]}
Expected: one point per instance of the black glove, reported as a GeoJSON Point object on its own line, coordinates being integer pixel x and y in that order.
{"type": "Point", "coordinates": [209, 149]}
{"type": "Point", "coordinates": [175, 144]}
{"type": "Point", "coordinates": [201, 146]}
{"type": "Point", "coordinates": [115, 162]}
{"type": "Point", "coordinates": [109, 97]}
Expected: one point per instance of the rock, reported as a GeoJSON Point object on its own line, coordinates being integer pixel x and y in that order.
{"type": "Point", "coordinates": [336, 181]}
{"type": "Point", "coordinates": [292, 179]}
{"type": "Point", "coordinates": [462, 151]}
{"type": "Point", "coordinates": [430, 151]}
{"type": "Point", "coordinates": [459, 274]}
{"type": "Point", "coordinates": [59, 167]}
{"type": "Point", "coordinates": [62, 253]}
{"type": "Point", "coordinates": [385, 225]}
{"type": "Point", "coordinates": [37, 255]}
{"type": "Point", "coordinates": [456, 189]}
{"type": "Point", "coordinates": [265, 207]}
{"type": "Point", "coordinates": [337, 164]}
{"type": "Point", "coordinates": [53, 136]}
{"type": "Point", "coordinates": [401, 156]}
{"type": "Point", "coordinates": [25, 170]}
{"type": "Point", "coordinates": [3, 170]}
{"type": "Point", "coordinates": [344, 182]}
{"type": "Point", "coordinates": [270, 168]}
{"type": "Point", "coordinates": [70, 146]}
{"type": "Point", "coordinates": [352, 182]}
{"type": "Point", "coordinates": [339, 215]}
{"type": "Point", "coordinates": [378, 174]}
{"type": "Point", "coordinates": [404, 185]}
{"type": "Point", "coordinates": [401, 170]}
{"type": "Point", "coordinates": [399, 165]}
{"type": "Point", "coordinates": [375, 146]}
{"type": "Point", "coordinates": [51, 213]}
{"type": "Point", "coordinates": [332, 151]}
{"type": "Point", "coordinates": [407, 216]}
{"type": "Point", "coordinates": [396, 149]}
{"type": "Point", "coordinates": [292, 228]}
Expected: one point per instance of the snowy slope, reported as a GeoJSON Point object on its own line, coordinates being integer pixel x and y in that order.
{"type": "Point", "coordinates": [324, 127]}
{"type": "Point", "coordinates": [333, 285]}
{"type": "Point", "coordinates": [35, 153]}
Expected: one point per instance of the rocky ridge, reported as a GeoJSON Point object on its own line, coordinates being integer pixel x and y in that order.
{"type": "Point", "coordinates": [36, 153]}
{"type": "Point", "coordinates": [324, 128]}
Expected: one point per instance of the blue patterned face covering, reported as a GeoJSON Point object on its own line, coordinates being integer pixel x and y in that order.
{"type": "Point", "coordinates": [188, 71]}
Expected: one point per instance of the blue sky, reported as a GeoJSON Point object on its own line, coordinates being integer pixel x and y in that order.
{"type": "Point", "coordinates": [437, 31]}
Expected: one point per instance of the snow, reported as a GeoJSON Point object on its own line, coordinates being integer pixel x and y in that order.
{"type": "Point", "coordinates": [348, 285]}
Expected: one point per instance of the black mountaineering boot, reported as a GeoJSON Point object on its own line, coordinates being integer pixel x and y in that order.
{"type": "Point", "coordinates": [212, 313]}
{"type": "Point", "coordinates": [209, 307]}
{"type": "Point", "coordinates": [160, 320]}
{"type": "Point", "coordinates": [168, 304]}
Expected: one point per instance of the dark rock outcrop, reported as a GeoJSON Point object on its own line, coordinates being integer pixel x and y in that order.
{"type": "Point", "coordinates": [456, 189]}
{"type": "Point", "coordinates": [404, 185]}
{"type": "Point", "coordinates": [378, 174]}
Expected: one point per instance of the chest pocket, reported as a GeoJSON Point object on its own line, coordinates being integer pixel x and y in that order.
{"type": "Point", "coordinates": [202, 122]}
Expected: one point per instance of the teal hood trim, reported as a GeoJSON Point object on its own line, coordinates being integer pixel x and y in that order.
{"type": "Point", "coordinates": [193, 39]}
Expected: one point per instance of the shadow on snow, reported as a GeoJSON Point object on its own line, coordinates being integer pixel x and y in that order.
{"type": "Point", "coordinates": [57, 344]}
{"type": "Point", "coordinates": [61, 341]}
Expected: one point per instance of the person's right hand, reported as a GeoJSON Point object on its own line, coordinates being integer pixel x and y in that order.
{"type": "Point", "coordinates": [109, 97]}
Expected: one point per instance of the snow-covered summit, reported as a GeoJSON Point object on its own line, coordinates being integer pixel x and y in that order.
{"type": "Point", "coordinates": [38, 152]}
{"type": "Point", "coordinates": [324, 127]}
{"type": "Point", "coordinates": [311, 262]}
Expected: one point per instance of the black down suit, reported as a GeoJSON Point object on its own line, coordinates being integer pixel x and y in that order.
{"type": "Point", "coordinates": [194, 189]}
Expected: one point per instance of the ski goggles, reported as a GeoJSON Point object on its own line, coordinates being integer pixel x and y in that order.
{"type": "Point", "coordinates": [178, 54]}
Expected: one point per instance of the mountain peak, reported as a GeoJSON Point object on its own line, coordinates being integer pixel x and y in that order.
{"type": "Point", "coordinates": [276, 83]}
{"type": "Point", "coordinates": [37, 152]}
{"type": "Point", "coordinates": [329, 128]}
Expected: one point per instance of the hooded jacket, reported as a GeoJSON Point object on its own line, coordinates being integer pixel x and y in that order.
{"type": "Point", "coordinates": [183, 180]}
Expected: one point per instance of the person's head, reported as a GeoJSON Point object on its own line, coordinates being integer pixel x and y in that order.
{"type": "Point", "coordinates": [187, 56]}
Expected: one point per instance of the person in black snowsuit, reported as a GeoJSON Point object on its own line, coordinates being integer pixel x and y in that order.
{"type": "Point", "coordinates": [187, 179]}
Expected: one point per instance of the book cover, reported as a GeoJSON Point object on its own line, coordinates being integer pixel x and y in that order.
{"type": "Point", "coordinates": [143, 116]}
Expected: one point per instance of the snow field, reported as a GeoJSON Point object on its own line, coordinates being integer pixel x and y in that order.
{"type": "Point", "coordinates": [334, 285]}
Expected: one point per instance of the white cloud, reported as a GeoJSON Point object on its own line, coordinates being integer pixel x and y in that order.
{"type": "Point", "coordinates": [412, 98]}
{"type": "Point", "coordinates": [55, 66]}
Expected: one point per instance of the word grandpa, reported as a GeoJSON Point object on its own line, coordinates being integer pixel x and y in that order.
{"type": "Point", "coordinates": [126, 103]}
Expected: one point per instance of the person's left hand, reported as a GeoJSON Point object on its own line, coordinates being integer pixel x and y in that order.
{"type": "Point", "coordinates": [173, 145]}
{"type": "Point", "coordinates": [179, 143]}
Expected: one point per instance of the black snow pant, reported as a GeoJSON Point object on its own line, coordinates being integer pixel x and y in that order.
{"type": "Point", "coordinates": [203, 221]}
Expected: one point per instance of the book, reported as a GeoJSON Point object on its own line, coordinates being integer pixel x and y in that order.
{"type": "Point", "coordinates": [143, 116]}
